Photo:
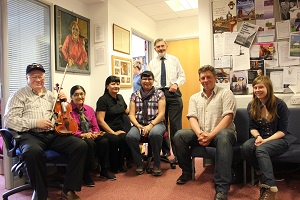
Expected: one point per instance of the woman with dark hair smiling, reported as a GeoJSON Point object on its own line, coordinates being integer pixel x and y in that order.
{"type": "Point", "coordinates": [147, 113]}
{"type": "Point", "coordinates": [111, 108]}
{"type": "Point", "coordinates": [89, 131]}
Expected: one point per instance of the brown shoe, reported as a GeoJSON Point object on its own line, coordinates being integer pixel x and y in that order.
{"type": "Point", "coordinates": [268, 192]}
{"type": "Point", "coordinates": [69, 196]}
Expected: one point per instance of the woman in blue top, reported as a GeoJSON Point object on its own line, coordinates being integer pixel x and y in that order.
{"type": "Point", "coordinates": [137, 65]}
{"type": "Point", "coordinates": [268, 124]}
{"type": "Point", "coordinates": [146, 113]}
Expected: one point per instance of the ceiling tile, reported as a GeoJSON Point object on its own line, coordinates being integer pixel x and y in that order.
{"type": "Point", "coordinates": [156, 9]}
{"type": "Point", "coordinates": [143, 2]}
{"type": "Point", "coordinates": [187, 13]}
{"type": "Point", "coordinates": [164, 16]}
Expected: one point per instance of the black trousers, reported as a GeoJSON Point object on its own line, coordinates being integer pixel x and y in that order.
{"type": "Point", "coordinates": [117, 150]}
{"type": "Point", "coordinates": [32, 146]}
{"type": "Point", "coordinates": [98, 152]}
{"type": "Point", "coordinates": [173, 116]}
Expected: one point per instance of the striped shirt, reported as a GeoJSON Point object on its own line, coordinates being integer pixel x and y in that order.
{"type": "Point", "coordinates": [210, 110]}
{"type": "Point", "coordinates": [152, 106]}
{"type": "Point", "coordinates": [174, 71]}
{"type": "Point", "coordinates": [24, 107]}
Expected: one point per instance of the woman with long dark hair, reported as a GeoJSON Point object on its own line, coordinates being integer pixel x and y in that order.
{"type": "Point", "coordinates": [111, 108]}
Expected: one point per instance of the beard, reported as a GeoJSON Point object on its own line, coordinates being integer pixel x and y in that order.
{"type": "Point", "coordinates": [162, 54]}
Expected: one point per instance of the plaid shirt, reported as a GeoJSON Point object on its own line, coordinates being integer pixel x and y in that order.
{"type": "Point", "coordinates": [210, 110]}
{"type": "Point", "coordinates": [152, 106]}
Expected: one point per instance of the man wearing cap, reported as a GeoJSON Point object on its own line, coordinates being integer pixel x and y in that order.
{"type": "Point", "coordinates": [28, 112]}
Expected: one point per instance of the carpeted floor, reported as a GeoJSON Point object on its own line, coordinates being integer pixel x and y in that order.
{"type": "Point", "coordinates": [132, 187]}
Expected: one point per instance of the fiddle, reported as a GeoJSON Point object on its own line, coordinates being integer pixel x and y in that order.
{"type": "Point", "coordinates": [64, 123]}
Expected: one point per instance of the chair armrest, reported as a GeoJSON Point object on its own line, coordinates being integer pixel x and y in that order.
{"type": "Point", "coordinates": [11, 139]}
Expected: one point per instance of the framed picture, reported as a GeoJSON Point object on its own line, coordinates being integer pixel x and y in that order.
{"type": "Point", "coordinates": [72, 41]}
{"type": "Point", "coordinates": [122, 67]}
{"type": "Point", "coordinates": [121, 39]}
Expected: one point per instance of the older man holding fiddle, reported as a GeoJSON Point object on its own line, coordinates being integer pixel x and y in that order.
{"type": "Point", "coordinates": [28, 112]}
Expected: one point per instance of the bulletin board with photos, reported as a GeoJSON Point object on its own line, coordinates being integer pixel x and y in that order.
{"type": "Point", "coordinates": [262, 37]}
{"type": "Point", "coordinates": [122, 68]}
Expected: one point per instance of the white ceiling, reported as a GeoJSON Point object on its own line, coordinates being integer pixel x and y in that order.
{"type": "Point", "coordinates": [156, 9]}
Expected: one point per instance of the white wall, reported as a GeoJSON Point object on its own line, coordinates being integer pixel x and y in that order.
{"type": "Point", "coordinates": [180, 28]}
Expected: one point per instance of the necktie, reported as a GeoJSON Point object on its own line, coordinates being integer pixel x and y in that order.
{"type": "Point", "coordinates": [163, 73]}
{"type": "Point", "coordinates": [84, 122]}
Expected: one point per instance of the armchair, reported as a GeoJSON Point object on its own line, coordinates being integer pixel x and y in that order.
{"type": "Point", "coordinates": [11, 143]}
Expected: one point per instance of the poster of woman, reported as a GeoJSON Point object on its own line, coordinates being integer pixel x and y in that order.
{"type": "Point", "coordinates": [72, 41]}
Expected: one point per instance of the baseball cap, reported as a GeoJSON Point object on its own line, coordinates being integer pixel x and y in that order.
{"type": "Point", "coordinates": [34, 66]}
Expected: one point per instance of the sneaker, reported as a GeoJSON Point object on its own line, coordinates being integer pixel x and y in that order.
{"type": "Point", "coordinates": [139, 169]}
{"type": "Point", "coordinates": [184, 178]}
{"type": "Point", "coordinates": [156, 171]}
{"type": "Point", "coordinates": [220, 196]}
{"type": "Point", "coordinates": [268, 192]}
{"type": "Point", "coordinates": [107, 175]}
{"type": "Point", "coordinates": [88, 181]}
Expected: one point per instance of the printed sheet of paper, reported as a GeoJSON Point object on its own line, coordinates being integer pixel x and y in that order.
{"type": "Point", "coordinates": [277, 82]}
{"type": "Point", "coordinates": [231, 47]}
{"type": "Point", "coordinates": [246, 34]}
{"type": "Point", "coordinates": [290, 75]}
{"type": "Point", "coordinates": [241, 62]}
{"type": "Point", "coordinates": [284, 60]}
{"type": "Point", "coordinates": [218, 45]}
{"type": "Point", "coordinates": [283, 29]}
{"type": "Point", "coordinates": [296, 87]}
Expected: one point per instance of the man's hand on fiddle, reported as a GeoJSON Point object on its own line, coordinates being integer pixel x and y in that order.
{"type": "Point", "coordinates": [62, 96]}
{"type": "Point", "coordinates": [45, 124]}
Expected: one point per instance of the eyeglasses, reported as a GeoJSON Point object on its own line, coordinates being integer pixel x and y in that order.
{"type": "Point", "coordinates": [37, 78]}
{"type": "Point", "coordinates": [79, 94]}
{"type": "Point", "coordinates": [147, 79]}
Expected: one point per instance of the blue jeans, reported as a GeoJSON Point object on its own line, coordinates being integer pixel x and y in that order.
{"type": "Point", "coordinates": [224, 140]}
{"type": "Point", "coordinates": [260, 157]}
{"type": "Point", "coordinates": [155, 139]}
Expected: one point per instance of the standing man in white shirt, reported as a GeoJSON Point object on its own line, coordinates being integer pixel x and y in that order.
{"type": "Point", "coordinates": [169, 76]}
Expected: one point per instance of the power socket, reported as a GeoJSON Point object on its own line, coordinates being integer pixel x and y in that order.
{"type": "Point", "coordinates": [295, 100]}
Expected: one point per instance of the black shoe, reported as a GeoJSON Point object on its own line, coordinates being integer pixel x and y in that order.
{"type": "Point", "coordinates": [107, 175]}
{"type": "Point", "coordinates": [220, 196]}
{"type": "Point", "coordinates": [139, 169]}
{"type": "Point", "coordinates": [156, 171]}
{"type": "Point", "coordinates": [122, 170]}
{"type": "Point", "coordinates": [175, 161]}
{"type": "Point", "coordinates": [184, 178]}
{"type": "Point", "coordinates": [88, 181]}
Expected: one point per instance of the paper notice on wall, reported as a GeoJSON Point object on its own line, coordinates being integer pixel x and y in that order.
{"type": "Point", "coordinates": [296, 87]}
{"type": "Point", "coordinates": [246, 34]}
{"type": "Point", "coordinates": [276, 77]}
